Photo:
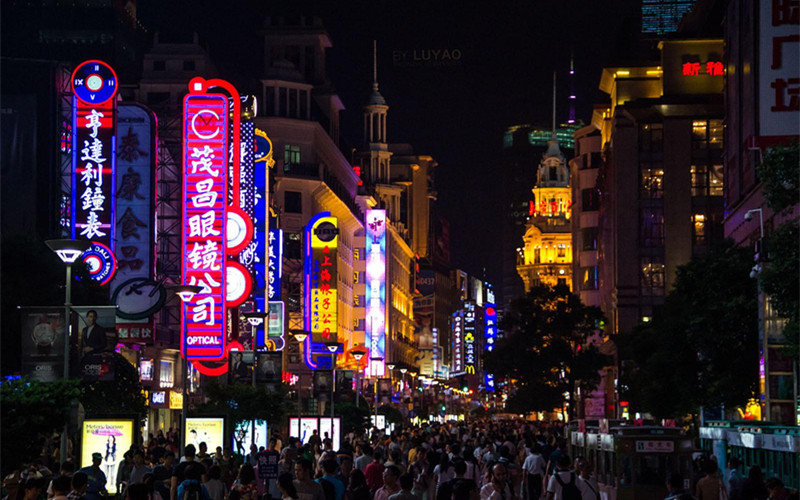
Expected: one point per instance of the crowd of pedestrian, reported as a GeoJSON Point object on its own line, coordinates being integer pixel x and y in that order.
{"type": "Point", "coordinates": [483, 460]}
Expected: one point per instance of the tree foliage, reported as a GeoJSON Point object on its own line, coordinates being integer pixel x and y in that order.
{"type": "Point", "coordinates": [242, 402]}
{"type": "Point", "coordinates": [122, 395]}
{"type": "Point", "coordinates": [31, 412]}
{"type": "Point", "coordinates": [780, 175]}
{"type": "Point", "coordinates": [545, 349]}
{"type": "Point", "coordinates": [701, 348]}
{"type": "Point", "coordinates": [354, 418]}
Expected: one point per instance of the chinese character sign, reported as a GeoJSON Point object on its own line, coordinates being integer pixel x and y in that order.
{"type": "Point", "coordinates": [205, 125]}
{"type": "Point", "coordinates": [469, 338]}
{"type": "Point", "coordinates": [94, 86]}
{"type": "Point", "coordinates": [274, 264]}
{"type": "Point", "coordinates": [458, 343]}
{"type": "Point", "coordinates": [779, 73]}
{"type": "Point", "coordinates": [375, 316]}
{"type": "Point", "coordinates": [133, 193]}
{"type": "Point", "coordinates": [322, 239]}
{"type": "Point", "coordinates": [489, 338]}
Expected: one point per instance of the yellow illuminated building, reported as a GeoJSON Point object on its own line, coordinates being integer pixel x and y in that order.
{"type": "Point", "coordinates": [546, 255]}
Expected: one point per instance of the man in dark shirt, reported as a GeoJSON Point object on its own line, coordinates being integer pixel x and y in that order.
{"type": "Point", "coordinates": [179, 474]}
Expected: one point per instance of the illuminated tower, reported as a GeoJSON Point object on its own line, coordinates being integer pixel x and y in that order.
{"type": "Point", "coordinates": [375, 155]}
{"type": "Point", "coordinates": [546, 257]}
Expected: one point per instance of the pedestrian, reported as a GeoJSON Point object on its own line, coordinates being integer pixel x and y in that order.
{"type": "Point", "coordinates": [287, 488]}
{"type": "Point", "coordinates": [139, 469]}
{"type": "Point", "coordinates": [214, 485]}
{"type": "Point", "coordinates": [179, 472]}
{"type": "Point", "coordinates": [307, 488]}
{"type": "Point", "coordinates": [753, 488]}
{"type": "Point", "coordinates": [329, 467]}
{"type": "Point", "coordinates": [67, 469]}
{"type": "Point", "coordinates": [586, 481]}
{"type": "Point", "coordinates": [61, 485]}
{"type": "Point", "coordinates": [357, 487]}
{"type": "Point", "coordinates": [191, 488]}
{"type": "Point", "coordinates": [96, 479]}
{"type": "Point", "coordinates": [735, 480]}
{"type": "Point", "coordinates": [533, 472]}
{"type": "Point", "coordinates": [79, 482]}
{"type": "Point", "coordinates": [406, 485]}
{"type": "Point", "coordinates": [32, 488]}
{"type": "Point", "coordinates": [497, 486]}
{"type": "Point", "coordinates": [709, 486]}
{"type": "Point", "coordinates": [674, 486]}
{"type": "Point", "coordinates": [563, 484]}
{"type": "Point", "coordinates": [776, 489]}
{"type": "Point", "coordinates": [391, 475]}
{"type": "Point", "coordinates": [374, 472]}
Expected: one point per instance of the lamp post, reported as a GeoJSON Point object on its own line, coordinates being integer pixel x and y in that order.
{"type": "Point", "coordinates": [186, 293]}
{"type": "Point", "coordinates": [403, 377]}
{"type": "Point", "coordinates": [332, 347]}
{"type": "Point", "coordinates": [300, 336]}
{"type": "Point", "coordinates": [255, 319]}
{"type": "Point", "coordinates": [358, 353]}
{"type": "Point", "coordinates": [755, 273]}
{"type": "Point", "coordinates": [68, 251]}
{"type": "Point", "coordinates": [376, 360]}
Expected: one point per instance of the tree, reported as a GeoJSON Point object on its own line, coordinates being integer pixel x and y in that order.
{"type": "Point", "coordinates": [242, 402]}
{"type": "Point", "coordinates": [701, 348]}
{"type": "Point", "coordinates": [354, 418]}
{"type": "Point", "coordinates": [124, 394]}
{"type": "Point", "coordinates": [780, 177]}
{"type": "Point", "coordinates": [545, 349]}
{"type": "Point", "coordinates": [31, 412]}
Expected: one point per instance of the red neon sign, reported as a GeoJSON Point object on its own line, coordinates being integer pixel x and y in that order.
{"type": "Point", "coordinates": [205, 153]}
{"type": "Point", "coordinates": [710, 68]}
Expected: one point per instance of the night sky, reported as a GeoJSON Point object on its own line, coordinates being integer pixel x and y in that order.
{"type": "Point", "coordinates": [455, 112]}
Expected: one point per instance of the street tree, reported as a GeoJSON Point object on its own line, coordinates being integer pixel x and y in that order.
{"type": "Point", "coordinates": [32, 412]}
{"type": "Point", "coordinates": [546, 349]}
{"type": "Point", "coordinates": [244, 402]}
{"type": "Point", "coordinates": [124, 394]}
{"type": "Point", "coordinates": [701, 348]}
{"type": "Point", "coordinates": [780, 176]}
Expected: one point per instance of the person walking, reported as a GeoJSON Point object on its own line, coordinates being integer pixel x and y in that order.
{"type": "Point", "coordinates": [96, 479]}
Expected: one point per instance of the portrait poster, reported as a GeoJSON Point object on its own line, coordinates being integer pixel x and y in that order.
{"type": "Point", "coordinates": [111, 438]}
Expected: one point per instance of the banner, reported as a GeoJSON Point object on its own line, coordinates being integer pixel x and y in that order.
{"type": "Point", "coordinates": [110, 438]}
{"type": "Point", "coordinates": [269, 367]}
{"type": "Point", "coordinates": [95, 327]}
{"type": "Point", "coordinates": [210, 431]}
{"type": "Point", "coordinates": [43, 334]}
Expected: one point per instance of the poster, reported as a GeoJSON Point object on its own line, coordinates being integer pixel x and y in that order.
{"type": "Point", "coordinates": [243, 436]}
{"type": "Point", "coordinates": [43, 336]}
{"type": "Point", "coordinates": [330, 428]}
{"type": "Point", "coordinates": [307, 428]}
{"type": "Point", "coordinates": [205, 430]}
{"type": "Point", "coordinates": [110, 438]}
{"type": "Point", "coordinates": [241, 367]}
{"type": "Point", "coordinates": [97, 328]}
{"type": "Point", "coordinates": [269, 367]}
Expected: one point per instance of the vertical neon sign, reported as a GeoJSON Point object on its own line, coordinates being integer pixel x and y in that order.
{"type": "Point", "coordinates": [490, 337]}
{"type": "Point", "coordinates": [375, 321]}
{"type": "Point", "coordinates": [469, 338]}
{"type": "Point", "coordinates": [458, 343]}
{"type": "Point", "coordinates": [94, 86]}
{"type": "Point", "coordinates": [205, 147]}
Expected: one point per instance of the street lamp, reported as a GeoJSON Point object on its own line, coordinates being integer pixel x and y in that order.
{"type": "Point", "coordinates": [358, 353]}
{"type": "Point", "coordinates": [186, 293]}
{"type": "Point", "coordinates": [300, 336]}
{"type": "Point", "coordinates": [332, 348]}
{"type": "Point", "coordinates": [68, 251]}
{"type": "Point", "coordinates": [374, 360]}
{"type": "Point", "coordinates": [403, 377]}
{"type": "Point", "coordinates": [255, 319]}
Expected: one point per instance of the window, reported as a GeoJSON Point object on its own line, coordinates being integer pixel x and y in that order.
{"type": "Point", "coordinates": [553, 174]}
{"type": "Point", "coordinates": [700, 134]}
{"type": "Point", "coordinates": [651, 138]}
{"type": "Point", "coordinates": [293, 202]}
{"type": "Point", "coordinates": [188, 65]}
{"type": "Point", "coordinates": [562, 250]}
{"type": "Point", "coordinates": [146, 369]}
{"type": "Point", "coordinates": [282, 101]}
{"type": "Point", "coordinates": [590, 199]}
{"type": "Point", "coordinates": [165, 372]}
{"type": "Point", "coordinates": [293, 246]}
{"type": "Point", "coordinates": [707, 181]}
{"type": "Point", "coordinates": [652, 180]}
{"type": "Point", "coordinates": [537, 255]}
{"type": "Point", "coordinates": [589, 278]}
{"type": "Point", "coordinates": [707, 134]}
{"type": "Point", "coordinates": [652, 277]}
{"type": "Point", "coordinates": [596, 160]}
{"type": "Point", "coordinates": [159, 65]}
{"type": "Point", "coordinates": [651, 228]}
{"type": "Point", "coordinates": [589, 238]}
{"type": "Point", "coordinates": [291, 154]}
{"type": "Point", "coordinates": [699, 229]}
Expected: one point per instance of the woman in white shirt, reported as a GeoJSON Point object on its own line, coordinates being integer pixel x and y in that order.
{"type": "Point", "coordinates": [498, 486]}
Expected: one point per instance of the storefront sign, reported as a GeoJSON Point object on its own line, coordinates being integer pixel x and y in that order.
{"type": "Point", "coordinates": [94, 85]}
{"type": "Point", "coordinates": [205, 430]}
{"type": "Point", "coordinates": [470, 356]}
{"type": "Point", "coordinates": [205, 145]}
{"type": "Point", "coordinates": [778, 71]}
{"type": "Point", "coordinates": [489, 338]}
{"type": "Point", "coordinates": [322, 239]}
{"type": "Point", "coordinates": [458, 343]}
{"type": "Point", "coordinates": [375, 316]}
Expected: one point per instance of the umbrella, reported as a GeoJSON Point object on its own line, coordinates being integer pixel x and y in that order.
{"type": "Point", "coordinates": [107, 430]}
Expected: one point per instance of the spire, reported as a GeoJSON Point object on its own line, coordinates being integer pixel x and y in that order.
{"type": "Point", "coordinates": [375, 97]}
{"type": "Point", "coordinates": [552, 145]}
{"type": "Point", "coordinates": [572, 97]}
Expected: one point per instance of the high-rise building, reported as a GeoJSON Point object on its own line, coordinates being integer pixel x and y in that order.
{"type": "Point", "coordinates": [660, 17]}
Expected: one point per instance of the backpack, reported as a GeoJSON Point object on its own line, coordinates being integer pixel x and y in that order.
{"type": "Point", "coordinates": [569, 491]}
{"type": "Point", "coordinates": [192, 491]}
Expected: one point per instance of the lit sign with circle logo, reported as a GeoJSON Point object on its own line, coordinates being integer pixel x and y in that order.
{"type": "Point", "coordinates": [100, 262]}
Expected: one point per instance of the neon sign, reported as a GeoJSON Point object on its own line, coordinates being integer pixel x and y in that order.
{"type": "Point", "coordinates": [205, 147]}
{"type": "Point", "coordinates": [458, 343]}
{"type": "Point", "coordinates": [263, 219]}
{"type": "Point", "coordinates": [490, 338]}
{"type": "Point", "coordinates": [322, 240]}
{"type": "Point", "coordinates": [94, 85]}
{"type": "Point", "coordinates": [375, 316]}
{"type": "Point", "coordinates": [710, 68]}
{"type": "Point", "coordinates": [469, 338]}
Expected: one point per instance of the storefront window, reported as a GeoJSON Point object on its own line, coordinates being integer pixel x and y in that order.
{"type": "Point", "coordinates": [166, 373]}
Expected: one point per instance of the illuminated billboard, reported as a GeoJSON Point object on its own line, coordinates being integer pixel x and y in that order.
{"type": "Point", "coordinates": [375, 316]}
{"type": "Point", "coordinates": [489, 339]}
{"type": "Point", "coordinates": [110, 438]}
{"type": "Point", "coordinates": [470, 356]}
{"type": "Point", "coordinates": [458, 343]}
{"type": "Point", "coordinates": [210, 431]}
{"type": "Point", "coordinates": [322, 239]}
{"type": "Point", "coordinates": [94, 85]}
{"type": "Point", "coordinates": [205, 143]}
